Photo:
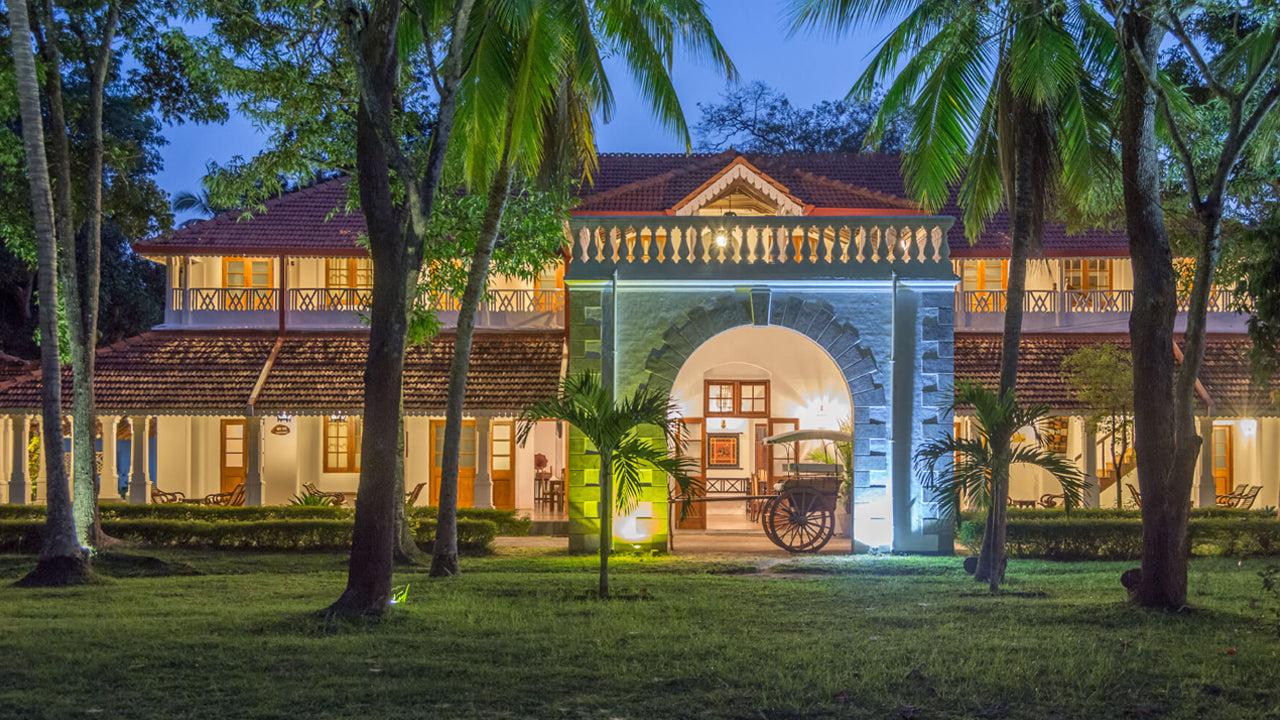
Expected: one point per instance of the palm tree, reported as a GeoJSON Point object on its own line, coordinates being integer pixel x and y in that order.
{"type": "Point", "coordinates": [955, 468]}
{"type": "Point", "coordinates": [1007, 114]}
{"type": "Point", "coordinates": [540, 73]}
{"type": "Point", "coordinates": [61, 559]}
{"type": "Point", "coordinates": [625, 452]}
{"type": "Point", "coordinates": [198, 204]}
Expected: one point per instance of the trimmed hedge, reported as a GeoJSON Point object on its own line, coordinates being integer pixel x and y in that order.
{"type": "Point", "coordinates": [1088, 537]}
{"type": "Point", "coordinates": [507, 522]}
{"type": "Point", "coordinates": [314, 535]}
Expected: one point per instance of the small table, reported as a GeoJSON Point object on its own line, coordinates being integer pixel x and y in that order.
{"type": "Point", "coordinates": [1022, 503]}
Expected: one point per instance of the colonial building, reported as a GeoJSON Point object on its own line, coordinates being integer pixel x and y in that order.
{"type": "Point", "coordinates": [764, 293]}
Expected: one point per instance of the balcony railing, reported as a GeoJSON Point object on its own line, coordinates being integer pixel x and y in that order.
{"type": "Point", "coordinates": [231, 299]}
{"type": "Point", "coordinates": [531, 301]}
{"type": "Point", "coordinates": [330, 299]}
{"type": "Point", "coordinates": [1074, 301]}
{"type": "Point", "coordinates": [760, 246]}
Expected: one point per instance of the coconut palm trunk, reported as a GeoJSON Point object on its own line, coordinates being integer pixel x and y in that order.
{"type": "Point", "coordinates": [61, 560]}
{"type": "Point", "coordinates": [444, 552]}
{"type": "Point", "coordinates": [606, 518]}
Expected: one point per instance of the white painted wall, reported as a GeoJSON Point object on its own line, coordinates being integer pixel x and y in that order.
{"type": "Point", "coordinates": [280, 481]}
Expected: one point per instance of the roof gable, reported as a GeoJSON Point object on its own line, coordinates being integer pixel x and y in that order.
{"type": "Point", "coordinates": [739, 171]}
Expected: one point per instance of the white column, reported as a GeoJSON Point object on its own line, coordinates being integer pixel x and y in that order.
{"type": "Point", "coordinates": [139, 483]}
{"type": "Point", "coordinates": [108, 478]}
{"type": "Point", "coordinates": [19, 491]}
{"type": "Point", "coordinates": [484, 482]}
{"type": "Point", "coordinates": [252, 460]}
{"type": "Point", "coordinates": [1089, 460]}
{"type": "Point", "coordinates": [1205, 493]}
{"type": "Point", "coordinates": [41, 479]}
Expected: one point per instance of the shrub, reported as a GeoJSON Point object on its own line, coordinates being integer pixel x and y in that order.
{"type": "Point", "coordinates": [1093, 535]}
{"type": "Point", "coordinates": [317, 535]}
{"type": "Point", "coordinates": [507, 521]}
{"type": "Point", "coordinates": [474, 535]}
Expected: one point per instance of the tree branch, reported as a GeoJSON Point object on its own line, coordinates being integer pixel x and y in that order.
{"type": "Point", "coordinates": [1180, 31]}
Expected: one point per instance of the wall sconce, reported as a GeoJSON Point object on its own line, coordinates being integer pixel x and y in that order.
{"type": "Point", "coordinates": [722, 425]}
{"type": "Point", "coordinates": [722, 239]}
{"type": "Point", "coordinates": [1249, 427]}
{"type": "Point", "coordinates": [284, 416]}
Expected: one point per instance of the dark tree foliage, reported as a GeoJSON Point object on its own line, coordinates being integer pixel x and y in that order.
{"type": "Point", "coordinates": [757, 118]}
{"type": "Point", "coordinates": [133, 204]}
{"type": "Point", "coordinates": [131, 295]}
{"type": "Point", "coordinates": [1258, 268]}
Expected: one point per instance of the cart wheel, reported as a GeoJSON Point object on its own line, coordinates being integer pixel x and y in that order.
{"type": "Point", "coordinates": [800, 520]}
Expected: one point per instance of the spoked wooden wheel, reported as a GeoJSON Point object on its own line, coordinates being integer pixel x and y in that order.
{"type": "Point", "coordinates": [800, 520]}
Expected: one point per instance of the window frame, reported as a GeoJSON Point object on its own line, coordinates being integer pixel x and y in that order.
{"type": "Point", "coordinates": [354, 429]}
{"type": "Point", "coordinates": [735, 399]}
{"type": "Point", "coordinates": [248, 272]}
{"type": "Point", "coordinates": [352, 269]}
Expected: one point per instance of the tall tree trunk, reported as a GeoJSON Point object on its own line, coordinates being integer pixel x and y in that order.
{"type": "Point", "coordinates": [368, 589]}
{"type": "Point", "coordinates": [395, 245]}
{"type": "Point", "coordinates": [1164, 507]}
{"type": "Point", "coordinates": [407, 551]}
{"type": "Point", "coordinates": [444, 553]}
{"type": "Point", "coordinates": [83, 317]}
{"type": "Point", "coordinates": [992, 558]}
{"type": "Point", "coordinates": [61, 560]}
{"type": "Point", "coordinates": [606, 519]}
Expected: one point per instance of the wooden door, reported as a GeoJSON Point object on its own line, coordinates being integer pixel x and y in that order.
{"type": "Point", "coordinates": [696, 519]}
{"type": "Point", "coordinates": [466, 462]}
{"type": "Point", "coordinates": [233, 460]}
{"type": "Point", "coordinates": [780, 455]}
{"type": "Point", "coordinates": [1223, 476]}
{"type": "Point", "coordinates": [501, 449]}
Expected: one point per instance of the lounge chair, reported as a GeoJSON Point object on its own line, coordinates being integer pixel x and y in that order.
{"type": "Point", "coordinates": [335, 498]}
{"type": "Point", "coordinates": [411, 497]}
{"type": "Point", "coordinates": [235, 498]}
{"type": "Point", "coordinates": [1137, 496]}
{"type": "Point", "coordinates": [1231, 499]}
{"type": "Point", "coordinates": [160, 497]}
{"type": "Point", "coordinates": [1246, 500]}
{"type": "Point", "coordinates": [1049, 500]}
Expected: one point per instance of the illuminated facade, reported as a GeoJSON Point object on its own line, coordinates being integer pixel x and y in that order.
{"type": "Point", "coordinates": [765, 293]}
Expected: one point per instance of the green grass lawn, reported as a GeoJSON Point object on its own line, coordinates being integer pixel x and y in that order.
{"type": "Point", "coordinates": [516, 636]}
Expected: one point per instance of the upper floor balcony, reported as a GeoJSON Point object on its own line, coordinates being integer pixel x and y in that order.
{"type": "Point", "coordinates": [1069, 295]}
{"type": "Point", "coordinates": [326, 294]}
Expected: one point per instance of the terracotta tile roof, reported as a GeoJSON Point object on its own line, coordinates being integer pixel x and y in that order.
{"type": "Point", "coordinates": [13, 367]}
{"type": "Point", "coordinates": [164, 373]}
{"type": "Point", "coordinates": [1225, 374]}
{"type": "Point", "coordinates": [317, 372]}
{"type": "Point", "coordinates": [299, 223]}
{"type": "Point", "coordinates": [638, 183]}
{"type": "Point", "coordinates": [186, 373]}
{"type": "Point", "coordinates": [311, 220]}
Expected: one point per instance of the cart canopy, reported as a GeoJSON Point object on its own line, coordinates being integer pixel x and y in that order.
{"type": "Point", "coordinates": [802, 435]}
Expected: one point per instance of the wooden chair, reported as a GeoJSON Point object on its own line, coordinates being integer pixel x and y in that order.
{"type": "Point", "coordinates": [1231, 499]}
{"type": "Point", "coordinates": [1049, 500]}
{"type": "Point", "coordinates": [335, 498]}
{"type": "Point", "coordinates": [1137, 496]}
{"type": "Point", "coordinates": [1246, 500]}
{"type": "Point", "coordinates": [411, 497]}
{"type": "Point", "coordinates": [160, 497]}
{"type": "Point", "coordinates": [235, 498]}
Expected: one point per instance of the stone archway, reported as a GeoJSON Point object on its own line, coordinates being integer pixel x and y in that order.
{"type": "Point", "coordinates": [840, 339]}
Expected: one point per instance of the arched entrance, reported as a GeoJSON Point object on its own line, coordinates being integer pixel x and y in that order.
{"type": "Point", "coordinates": [736, 389]}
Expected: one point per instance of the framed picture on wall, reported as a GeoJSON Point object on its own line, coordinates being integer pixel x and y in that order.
{"type": "Point", "coordinates": [722, 451]}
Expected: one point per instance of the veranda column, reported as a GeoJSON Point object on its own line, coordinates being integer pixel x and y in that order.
{"type": "Point", "coordinates": [19, 490]}
{"type": "Point", "coordinates": [252, 461]}
{"type": "Point", "coordinates": [1205, 492]}
{"type": "Point", "coordinates": [139, 492]}
{"type": "Point", "coordinates": [484, 482]}
{"type": "Point", "coordinates": [108, 480]}
{"type": "Point", "coordinates": [1089, 460]}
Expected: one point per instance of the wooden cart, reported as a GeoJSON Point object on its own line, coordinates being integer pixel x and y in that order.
{"type": "Point", "coordinates": [801, 515]}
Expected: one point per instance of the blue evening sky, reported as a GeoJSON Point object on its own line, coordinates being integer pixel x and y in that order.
{"type": "Point", "coordinates": [808, 67]}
